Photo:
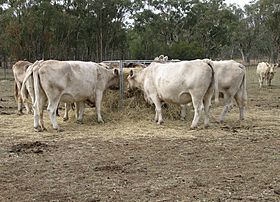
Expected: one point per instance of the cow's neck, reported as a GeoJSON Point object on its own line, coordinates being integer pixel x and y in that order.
{"type": "Point", "coordinates": [139, 78]}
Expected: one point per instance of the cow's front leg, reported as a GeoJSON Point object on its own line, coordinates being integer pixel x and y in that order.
{"type": "Point", "coordinates": [98, 100]}
{"type": "Point", "coordinates": [261, 81]}
{"type": "Point", "coordinates": [80, 108]}
{"type": "Point", "coordinates": [158, 116]}
{"type": "Point", "coordinates": [183, 113]}
{"type": "Point", "coordinates": [269, 82]}
{"type": "Point", "coordinates": [67, 107]}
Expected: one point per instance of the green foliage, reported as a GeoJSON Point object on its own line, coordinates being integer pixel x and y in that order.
{"type": "Point", "coordinates": [117, 29]}
{"type": "Point", "coordinates": [187, 51]}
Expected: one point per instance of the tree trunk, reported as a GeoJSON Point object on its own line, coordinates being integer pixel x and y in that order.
{"type": "Point", "coordinates": [242, 55]}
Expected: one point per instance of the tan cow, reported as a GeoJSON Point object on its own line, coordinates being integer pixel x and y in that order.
{"type": "Point", "coordinates": [231, 77]}
{"type": "Point", "coordinates": [68, 81]}
{"type": "Point", "coordinates": [265, 72]}
{"type": "Point", "coordinates": [19, 71]}
{"type": "Point", "coordinates": [178, 83]}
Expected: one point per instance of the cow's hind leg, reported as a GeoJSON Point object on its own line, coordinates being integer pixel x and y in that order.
{"type": "Point", "coordinates": [38, 114]}
{"type": "Point", "coordinates": [28, 108]}
{"type": "Point", "coordinates": [52, 107]}
{"type": "Point", "coordinates": [227, 106]}
{"type": "Point", "coordinates": [207, 104]}
{"type": "Point", "coordinates": [198, 106]}
{"type": "Point", "coordinates": [20, 105]}
{"type": "Point", "coordinates": [241, 102]}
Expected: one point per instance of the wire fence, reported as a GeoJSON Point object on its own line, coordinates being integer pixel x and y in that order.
{"type": "Point", "coordinates": [6, 74]}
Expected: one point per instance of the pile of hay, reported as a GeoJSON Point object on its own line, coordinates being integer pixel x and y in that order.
{"type": "Point", "coordinates": [133, 105]}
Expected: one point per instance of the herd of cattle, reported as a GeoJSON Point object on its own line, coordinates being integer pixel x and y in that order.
{"type": "Point", "coordinates": [77, 82]}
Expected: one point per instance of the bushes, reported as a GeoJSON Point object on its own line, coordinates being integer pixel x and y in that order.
{"type": "Point", "coordinates": [187, 51]}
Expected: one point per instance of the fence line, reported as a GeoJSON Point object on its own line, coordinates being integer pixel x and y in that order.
{"type": "Point", "coordinates": [6, 74]}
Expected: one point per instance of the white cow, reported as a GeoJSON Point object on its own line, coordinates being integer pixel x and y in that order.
{"type": "Point", "coordinates": [19, 71]}
{"type": "Point", "coordinates": [265, 72]}
{"type": "Point", "coordinates": [231, 77]}
{"type": "Point", "coordinates": [80, 106]}
{"type": "Point", "coordinates": [68, 81]}
{"type": "Point", "coordinates": [179, 83]}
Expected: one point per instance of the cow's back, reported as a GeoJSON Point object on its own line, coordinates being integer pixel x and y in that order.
{"type": "Point", "coordinates": [229, 73]}
{"type": "Point", "coordinates": [74, 80]}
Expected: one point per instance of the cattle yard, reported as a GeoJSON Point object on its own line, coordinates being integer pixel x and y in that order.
{"type": "Point", "coordinates": [131, 158]}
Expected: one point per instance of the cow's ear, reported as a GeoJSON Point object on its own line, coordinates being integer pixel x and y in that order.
{"type": "Point", "coordinates": [131, 74]}
{"type": "Point", "coordinates": [116, 72]}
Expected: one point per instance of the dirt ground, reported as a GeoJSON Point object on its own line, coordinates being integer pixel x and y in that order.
{"type": "Point", "coordinates": [130, 158]}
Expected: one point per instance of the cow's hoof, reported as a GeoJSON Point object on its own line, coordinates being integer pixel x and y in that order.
{"type": "Point", "coordinates": [220, 121]}
{"type": "Point", "coordinates": [19, 113]}
{"type": "Point", "coordinates": [65, 119]}
{"type": "Point", "coordinates": [79, 122]}
{"type": "Point", "coordinates": [59, 130]}
{"type": "Point", "coordinates": [194, 127]}
{"type": "Point", "coordinates": [100, 121]}
{"type": "Point", "coordinates": [160, 122]}
{"type": "Point", "coordinates": [39, 129]}
{"type": "Point", "coordinates": [206, 126]}
{"type": "Point", "coordinates": [29, 112]}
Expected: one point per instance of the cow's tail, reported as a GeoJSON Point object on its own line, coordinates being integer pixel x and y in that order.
{"type": "Point", "coordinates": [29, 73]}
{"type": "Point", "coordinates": [23, 89]}
{"type": "Point", "coordinates": [16, 88]}
{"type": "Point", "coordinates": [244, 84]}
{"type": "Point", "coordinates": [16, 91]}
{"type": "Point", "coordinates": [37, 87]}
{"type": "Point", "coordinates": [214, 81]}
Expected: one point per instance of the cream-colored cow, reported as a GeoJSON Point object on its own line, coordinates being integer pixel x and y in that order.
{"type": "Point", "coordinates": [19, 71]}
{"type": "Point", "coordinates": [231, 77]}
{"type": "Point", "coordinates": [68, 81]}
{"type": "Point", "coordinates": [179, 83]}
{"type": "Point", "coordinates": [265, 72]}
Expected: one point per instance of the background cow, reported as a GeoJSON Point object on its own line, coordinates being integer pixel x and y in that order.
{"type": "Point", "coordinates": [231, 77]}
{"type": "Point", "coordinates": [19, 71]}
{"type": "Point", "coordinates": [69, 81]}
{"type": "Point", "coordinates": [178, 83]}
{"type": "Point", "coordinates": [265, 72]}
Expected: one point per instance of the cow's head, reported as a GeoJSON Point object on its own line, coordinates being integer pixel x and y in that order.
{"type": "Point", "coordinates": [132, 84]}
{"type": "Point", "coordinates": [114, 82]}
{"type": "Point", "coordinates": [271, 73]}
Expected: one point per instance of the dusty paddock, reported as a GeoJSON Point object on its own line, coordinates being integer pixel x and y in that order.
{"type": "Point", "coordinates": [130, 158]}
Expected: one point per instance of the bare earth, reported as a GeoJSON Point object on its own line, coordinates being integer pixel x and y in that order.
{"type": "Point", "coordinates": [130, 158]}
